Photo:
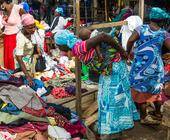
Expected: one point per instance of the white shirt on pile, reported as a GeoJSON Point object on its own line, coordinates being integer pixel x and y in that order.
{"type": "Point", "coordinates": [60, 26]}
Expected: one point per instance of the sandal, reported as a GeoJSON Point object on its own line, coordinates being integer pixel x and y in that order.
{"type": "Point", "coordinates": [148, 120]}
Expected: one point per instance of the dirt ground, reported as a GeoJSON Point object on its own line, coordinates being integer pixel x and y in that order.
{"type": "Point", "coordinates": [142, 132]}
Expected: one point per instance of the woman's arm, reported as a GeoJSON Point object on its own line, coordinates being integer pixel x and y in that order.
{"type": "Point", "coordinates": [23, 67]}
{"type": "Point", "coordinates": [97, 40]}
{"type": "Point", "coordinates": [167, 42]}
{"type": "Point", "coordinates": [133, 38]}
{"type": "Point", "coordinates": [21, 12]}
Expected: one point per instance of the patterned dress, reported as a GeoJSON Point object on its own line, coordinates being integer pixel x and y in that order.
{"type": "Point", "coordinates": [117, 111]}
{"type": "Point", "coordinates": [147, 70]}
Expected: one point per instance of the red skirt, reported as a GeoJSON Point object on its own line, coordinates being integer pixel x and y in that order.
{"type": "Point", "coordinates": [9, 46]}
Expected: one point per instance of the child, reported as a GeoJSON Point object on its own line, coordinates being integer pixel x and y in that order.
{"type": "Point", "coordinates": [85, 50]}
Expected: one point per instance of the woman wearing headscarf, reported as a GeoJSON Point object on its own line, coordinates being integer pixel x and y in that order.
{"type": "Point", "coordinates": [147, 71]}
{"type": "Point", "coordinates": [23, 52]}
{"type": "Point", "coordinates": [59, 22]}
{"type": "Point", "coordinates": [11, 21]}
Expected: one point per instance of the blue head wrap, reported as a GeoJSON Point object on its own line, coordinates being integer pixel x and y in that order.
{"type": "Point", "coordinates": [158, 14]}
{"type": "Point", "coordinates": [65, 38]}
{"type": "Point", "coordinates": [59, 10]}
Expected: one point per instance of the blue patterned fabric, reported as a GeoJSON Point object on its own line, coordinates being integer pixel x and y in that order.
{"type": "Point", "coordinates": [65, 38]}
{"type": "Point", "coordinates": [147, 70]}
{"type": "Point", "coordinates": [59, 10]}
{"type": "Point", "coordinates": [158, 13]}
{"type": "Point", "coordinates": [117, 110]}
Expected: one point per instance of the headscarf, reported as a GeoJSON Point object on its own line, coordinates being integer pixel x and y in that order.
{"type": "Point", "coordinates": [158, 13]}
{"type": "Point", "coordinates": [27, 19]}
{"type": "Point", "coordinates": [59, 10]}
{"type": "Point", "coordinates": [65, 38]}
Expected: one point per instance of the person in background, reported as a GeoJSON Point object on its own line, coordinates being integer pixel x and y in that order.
{"type": "Point", "coordinates": [23, 52]}
{"type": "Point", "coordinates": [12, 22]}
{"type": "Point", "coordinates": [147, 70]}
{"type": "Point", "coordinates": [58, 22]}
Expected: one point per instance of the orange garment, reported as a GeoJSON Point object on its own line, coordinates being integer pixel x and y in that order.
{"type": "Point", "coordinates": [140, 97]}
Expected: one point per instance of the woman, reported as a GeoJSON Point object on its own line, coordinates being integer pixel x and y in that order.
{"type": "Point", "coordinates": [147, 71]}
{"type": "Point", "coordinates": [59, 22]}
{"type": "Point", "coordinates": [117, 111]}
{"type": "Point", "coordinates": [11, 21]}
{"type": "Point", "coordinates": [23, 52]}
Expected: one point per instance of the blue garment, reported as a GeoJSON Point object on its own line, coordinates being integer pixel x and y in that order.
{"type": "Point", "coordinates": [9, 108]}
{"type": "Point", "coordinates": [59, 10]}
{"type": "Point", "coordinates": [147, 71]}
{"type": "Point", "coordinates": [26, 7]}
{"type": "Point", "coordinates": [117, 110]}
{"type": "Point", "coordinates": [65, 38]}
{"type": "Point", "coordinates": [158, 13]}
{"type": "Point", "coordinates": [5, 74]}
{"type": "Point", "coordinates": [37, 84]}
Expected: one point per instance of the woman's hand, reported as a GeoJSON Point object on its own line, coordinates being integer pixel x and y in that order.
{"type": "Point", "coordinates": [5, 18]}
{"type": "Point", "coordinates": [124, 55]}
{"type": "Point", "coordinates": [30, 81]}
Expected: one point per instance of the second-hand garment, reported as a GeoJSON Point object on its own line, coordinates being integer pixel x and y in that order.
{"type": "Point", "coordinates": [20, 97]}
{"type": "Point", "coordinates": [7, 118]}
{"type": "Point", "coordinates": [126, 30]}
{"type": "Point", "coordinates": [30, 126]}
{"type": "Point", "coordinates": [147, 71]}
{"type": "Point", "coordinates": [117, 110]}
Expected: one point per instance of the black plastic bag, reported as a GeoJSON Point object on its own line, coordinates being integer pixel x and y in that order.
{"type": "Point", "coordinates": [40, 65]}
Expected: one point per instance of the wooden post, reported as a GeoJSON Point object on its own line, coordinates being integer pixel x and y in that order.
{"type": "Point", "coordinates": [168, 134]}
{"type": "Point", "coordinates": [141, 8]}
{"type": "Point", "coordinates": [77, 62]}
{"type": "Point", "coordinates": [106, 13]}
{"type": "Point", "coordinates": [95, 9]}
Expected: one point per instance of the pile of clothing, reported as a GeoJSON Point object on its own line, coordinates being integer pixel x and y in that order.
{"type": "Point", "coordinates": [25, 114]}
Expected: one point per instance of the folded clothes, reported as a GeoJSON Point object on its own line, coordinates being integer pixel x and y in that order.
{"type": "Point", "coordinates": [59, 93]}
{"type": "Point", "coordinates": [7, 118]}
{"type": "Point", "coordinates": [9, 108]}
{"type": "Point", "coordinates": [66, 112]}
{"type": "Point", "coordinates": [33, 135]}
{"type": "Point", "coordinates": [20, 97]}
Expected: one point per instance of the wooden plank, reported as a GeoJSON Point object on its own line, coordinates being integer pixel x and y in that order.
{"type": "Point", "coordinates": [77, 62]}
{"type": "Point", "coordinates": [51, 99]}
{"type": "Point", "coordinates": [141, 8]}
{"type": "Point", "coordinates": [106, 13]}
{"type": "Point", "coordinates": [93, 108]}
{"type": "Point", "coordinates": [91, 119]}
{"type": "Point", "coordinates": [106, 25]}
{"type": "Point", "coordinates": [88, 100]}
{"type": "Point", "coordinates": [90, 135]}
{"type": "Point", "coordinates": [168, 134]}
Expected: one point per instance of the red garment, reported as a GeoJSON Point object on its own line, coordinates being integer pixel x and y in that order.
{"type": "Point", "coordinates": [59, 93]}
{"type": "Point", "coordinates": [40, 113]}
{"type": "Point", "coordinates": [9, 46]}
{"type": "Point", "coordinates": [69, 23]}
{"type": "Point", "coordinates": [80, 50]}
{"type": "Point", "coordinates": [167, 68]}
{"type": "Point", "coordinates": [45, 46]}
{"type": "Point", "coordinates": [30, 126]}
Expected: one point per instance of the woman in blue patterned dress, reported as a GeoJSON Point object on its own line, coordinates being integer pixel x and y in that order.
{"type": "Point", "coordinates": [116, 109]}
{"type": "Point", "coordinates": [147, 70]}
